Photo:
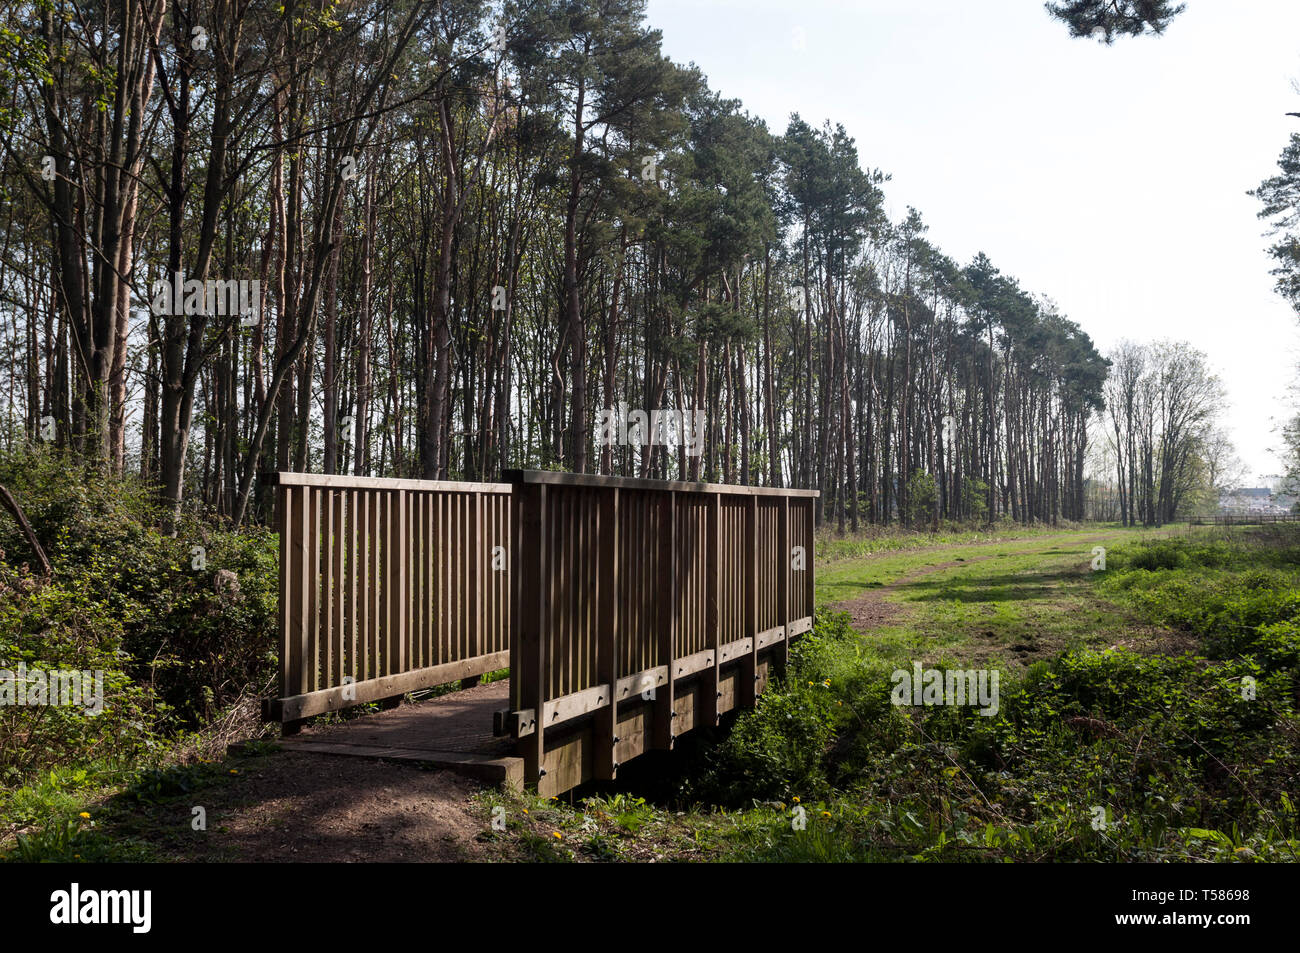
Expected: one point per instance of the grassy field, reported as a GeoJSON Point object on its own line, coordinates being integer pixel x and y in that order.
{"type": "Point", "coordinates": [872, 542]}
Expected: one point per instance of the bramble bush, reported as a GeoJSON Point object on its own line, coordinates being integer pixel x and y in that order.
{"type": "Point", "coordinates": [177, 645]}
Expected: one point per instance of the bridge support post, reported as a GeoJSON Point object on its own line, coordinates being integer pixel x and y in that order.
{"type": "Point", "coordinates": [709, 689]}
{"type": "Point", "coordinates": [662, 731]}
{"type": "Point", "coordinates": [607, 662]}
{"type": "Point", "coordinates": [529, 576]}
{"type": "Point", "coordinates": [783, 583]}
{"type": "Point", "coordinates": [747, 687]}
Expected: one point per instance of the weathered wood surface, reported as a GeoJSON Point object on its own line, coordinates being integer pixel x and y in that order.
{"type": "Point", "coordinates": [452, 732]}
{"type": "Point", "coordinates": [387, 587]}
{"type": "Point", "coordinates": [682, 596]}
{"type": "Point", "coordinates": [629, 611]}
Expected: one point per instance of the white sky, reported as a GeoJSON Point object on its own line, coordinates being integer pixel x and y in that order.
{"type": "Point", "coordinates": [1111, 179]}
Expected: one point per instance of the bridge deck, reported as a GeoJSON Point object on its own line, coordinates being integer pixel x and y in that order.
{"type": "Point", "coordinates": [452, 731]}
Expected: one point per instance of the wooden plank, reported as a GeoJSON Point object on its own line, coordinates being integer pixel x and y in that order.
{"type": "Point", "coordinates": [809, 570]}
{"type": "Point", "coordinates": [569, 758]}
{"type": "Point", "coordinates": [666, 623]}
{"type": "Point", "coordinates": [384, 570]}
{"type": "Point", "coordinates": [388, 601]}
{"type": "Point", "coordinates": [428, 632]}
{"type": "Point", "coordinates": [607, 602]}
{"type": "Point", "coordinates": [769, 637]}
{"type": "Point", "coordinates": [476, 548]}
{"type": "Point", "coordinates": [699, 662]}
{"type": "Point", "coordinates": [530, 565]}
{"type": "Point", "coordinates": [350, 668]}
{"type": "Point", "coordinates": [382, 483]}
{"type": "Point", "coordinates": [557, 711]}
{"type": "Point", "coordinates": [783, 579]}
{"type": "Point", "coordinates": [365, 586]}
{"type": "Point", "coordinates": [643, 683]}
{"type": "Point", "coordinates": [563, 596]}
{"type": "Point", "coordinates": [520, 589]}
{"type": "Point", "coordinates": [329, 594]}
{"type": "Point", "coordinates": [633, 730]}
{"type": "Point", "coordinates": [403, 579]}
{"type": "Point", "coordinates": [708, 711]}
{"type": "Point", "coordinates": [736, 650]}
{"type": "Point", "coordinates": [575, 704]}
{"type": "Point", "coordinates": [800, 626]}
{"type": "Point", "coordinates": [507, 772]}
{"type": "Point", "coordinates": [571, 747]}
{"type": "Point", "coordinates": [311, 591]}
{"type": "Point", "coordinates": [387, 686]}
{"type": "Point", "coordinates": [374, 588]}
{"type": "Point", "coordinates": [290, 600]}
{"type": "Point", "coordinates": [446, 545]}
{"type": "Point", "coordinates": [550, 478]}
{"type": "Point", "coordinates": [687, 706]}
{"type": "Point", "coordinates": [748, 685]}
{"type": "Point", "coordinates": [727, 682]}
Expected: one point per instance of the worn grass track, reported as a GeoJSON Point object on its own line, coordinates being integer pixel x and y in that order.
{"type": "Point", "coordinates": [1000, 603]}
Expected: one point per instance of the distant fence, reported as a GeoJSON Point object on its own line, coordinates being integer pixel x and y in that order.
{"type": "Point", "coordinates": [644, 609]}
{"type": "Point", "coordinates": [1261, 519]}
{"type": "Point", "coordinates": [387, 587]}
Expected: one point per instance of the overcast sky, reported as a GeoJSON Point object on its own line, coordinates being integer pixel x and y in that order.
{"type": "Point", "coordinates": [1112, 179]}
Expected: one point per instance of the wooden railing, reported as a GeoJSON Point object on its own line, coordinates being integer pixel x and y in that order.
{"type": "Point", "coordinates": [1244, 519]}
{"type": "Point", "coordinates": [387, 587]}
{"type": "Point", "coordinates": [644, 609]}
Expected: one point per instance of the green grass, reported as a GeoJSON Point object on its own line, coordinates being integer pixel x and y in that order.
{"type": "Point", "coordinates": [1013, 611]}
{"type": "Point", "coordinates": [844, 577]}
{"type": "Point", "coordinates": [114, 812]}
{"type": "Point", "coordinates": [875, 541]}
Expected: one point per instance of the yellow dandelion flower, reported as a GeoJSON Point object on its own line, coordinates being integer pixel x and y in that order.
{"type": "Point", "coordinates": [234, 770]}
{"type": "Point", "coordinates": [525, 810]}
{"type": "Point", "coordinates": [85, 814]}
{"type": "Point", "coordinates": [795, 799]}
{"type": "Point", "coordinates": [826, 813]}
{"type": "Point", "coordinates": [557, 835]}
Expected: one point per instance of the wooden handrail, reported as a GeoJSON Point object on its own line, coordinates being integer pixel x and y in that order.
{"type": "Point", "coordinates": [379, 483]}
{"type": "Point", "coordinates": [553, 478]}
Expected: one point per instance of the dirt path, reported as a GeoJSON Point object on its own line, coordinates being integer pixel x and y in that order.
{"type": "Point", "coordinates": [288, 806]}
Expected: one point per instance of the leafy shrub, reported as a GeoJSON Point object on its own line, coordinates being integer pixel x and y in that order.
{"type": "Point", "coordinates": [55, 628]}
{"type": "Point", "coordinates": [1161, 555]}
{"type": "Point", "coordinates": [1182, 764]}
{"type": "Point", "coordinates": [176, 644]}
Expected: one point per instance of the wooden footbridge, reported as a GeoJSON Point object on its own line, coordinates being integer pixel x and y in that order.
{"type": "Point", "coordinates": [627, 611]}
